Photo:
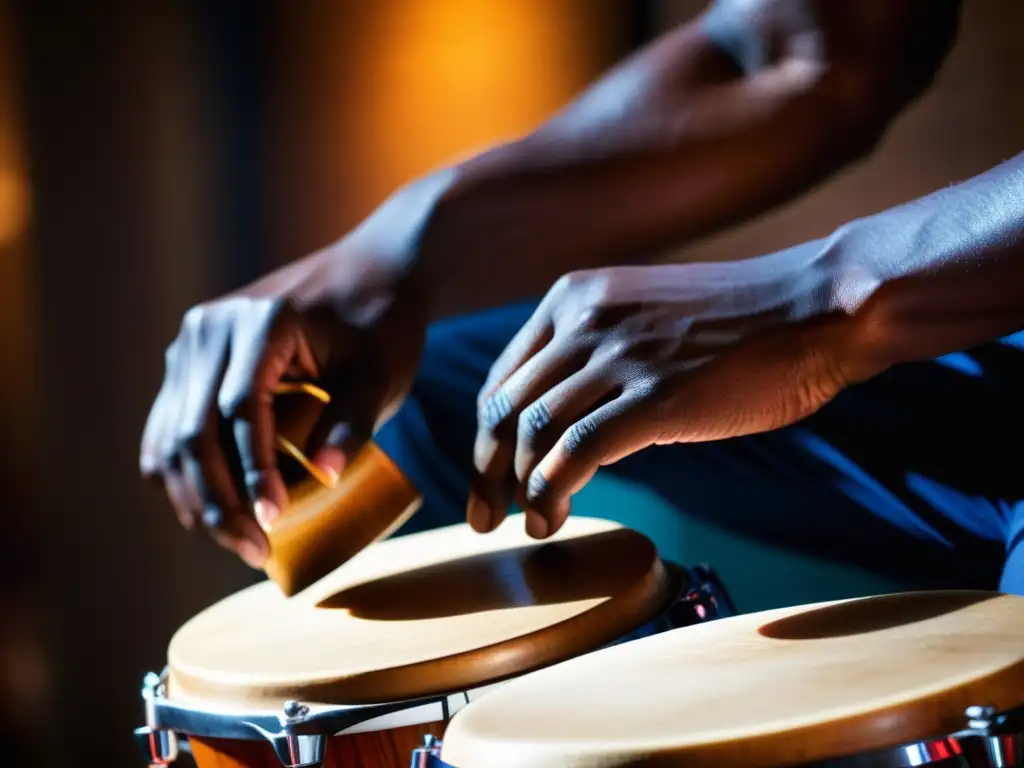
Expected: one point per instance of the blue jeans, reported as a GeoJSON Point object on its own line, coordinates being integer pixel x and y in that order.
{"type": "Point", "coordinates": [913, 475]}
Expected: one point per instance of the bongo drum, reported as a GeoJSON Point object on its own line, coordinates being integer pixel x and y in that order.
{"type": "Point", "coordinates": [357, 668]}
{"type": "Point", "coordinates": [895, 680]}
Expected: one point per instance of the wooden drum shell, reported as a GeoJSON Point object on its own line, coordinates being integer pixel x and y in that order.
{"type": "Point", "coordinates": [371, 749]}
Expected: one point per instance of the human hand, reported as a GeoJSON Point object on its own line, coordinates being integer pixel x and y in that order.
{"type": "Point", "coordinates": [616, 360]}
{"type": "Point", "coordinates": [341, 318]}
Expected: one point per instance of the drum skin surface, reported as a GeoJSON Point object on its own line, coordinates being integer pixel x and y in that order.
{"type": "Point", "coordinates": [427, 613]}
{"type": "Point", "coordinates": [776, 688]}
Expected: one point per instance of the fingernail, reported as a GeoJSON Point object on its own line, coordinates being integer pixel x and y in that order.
{"type": "Point", "coordinates": [478, 515]}
{"type": "Point", "coordinates": [254, 555]}
{"type": "Point", "coordinates": [267, 513]}
{"type": "Point", "coordinates": [331, 460]}
{"type": "Point", "coordinates": [536, 525]}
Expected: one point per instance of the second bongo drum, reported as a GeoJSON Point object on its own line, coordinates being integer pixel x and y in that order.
{"type": "Point", "coordinates": [932, 678]}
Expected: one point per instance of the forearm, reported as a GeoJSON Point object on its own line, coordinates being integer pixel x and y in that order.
{"type": "Point", "coordinates": [938, 275]}
{"type": "Point", "coordinates": [583, 193]}
{"type": "Point", "coordinates": [672, 145]}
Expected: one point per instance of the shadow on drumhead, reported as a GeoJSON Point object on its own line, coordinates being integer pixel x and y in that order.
{"type": "Point", "coordinates": [599, 565]}
{"type": "Point", "coordinates": [870, 614]}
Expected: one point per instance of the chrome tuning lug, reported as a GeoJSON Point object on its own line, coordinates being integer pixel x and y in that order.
{"type": "Point", "coordinates": [985, 720]}
{"type": "Point", "coordinates": [1000, 733]}
{"type": "Point", "coordinates": [429, 755]}
{"type": "Point", "coordinates": [293, 749]}
{"type": "Point", "coordinates": [158, 747]}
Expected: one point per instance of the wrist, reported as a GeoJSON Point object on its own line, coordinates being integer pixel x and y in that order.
{"type": "Point", "coordinates": [397, 240]}
{"type": "Point", "coordinates": [857, 282]}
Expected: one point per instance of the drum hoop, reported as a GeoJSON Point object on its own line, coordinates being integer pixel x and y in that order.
{"type": "Point", "coordinates": [700, 596]}
{"type": "Point", "coordinates": [1000, 734]}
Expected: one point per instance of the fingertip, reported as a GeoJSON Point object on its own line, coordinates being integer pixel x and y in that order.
{"type": "Point", "coordinates": [536, 525]}
{"type": "Point", "coordinates": [240, 534]}
{"type": "Point", "coordinates": [267, 486]}
{"type": "Point", "coordinates": [479, 515]}
{"type": "Point", "coordinates": [267, 513]}
{"type": "Point", "coordinates": [561, 514]}
{"type": "Point", "coordinates": [252, 554]}
{"type": "Point", "coordinates": [331, 460]}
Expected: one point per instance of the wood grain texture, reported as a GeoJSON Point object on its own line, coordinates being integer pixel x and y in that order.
{"type": "Point", "coordinates": [777, 688]}
{"type": "Point", "coordinates": [376, 749]}
{"type": "Point", "coordinates": [440, 611]}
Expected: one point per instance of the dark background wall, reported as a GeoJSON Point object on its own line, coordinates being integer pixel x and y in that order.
{"type": "Point", "coordinates": [156, 154]}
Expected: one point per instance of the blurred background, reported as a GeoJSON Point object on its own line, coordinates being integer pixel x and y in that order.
{"type": "Point", "coordinates": [156, 154]}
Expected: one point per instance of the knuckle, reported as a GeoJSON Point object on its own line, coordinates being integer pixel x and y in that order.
{"type": "Point", "coordinates": [587, 318]}
{"type": "Point", "coordinates": [570, 284]}
{"type": "Point", "coordinates": [213, 517]}
{"type": "Point", "coordinates": [149, 466]}
{"type": "Point", "coordinates": [616, 348]}
{"type": "Point", "coordinates": [242, 403]}
{"type": "Point", "coordinates": [172, 355]}
{"type": "Point", "coordinates": [563, 285]}
{"type": "Point", "coordinates": [232, 405]}
{"type": "Point", "coordinates": [580, 435]}
{"type": "Point", "coordinates": [532, 421]}
{"type": "Point", "coordinates": [194, 319]}
{"type": "Point", "coordinates": [496, 412]}
{"type": "Point", "coordinates": [537, 488]}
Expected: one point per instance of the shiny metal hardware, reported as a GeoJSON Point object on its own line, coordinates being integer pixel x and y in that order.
{"type": "Point", "coordinates": [294, 749]}
{"type": "Point", "coordinates": [158, 747]}
{"type": "Point", "coordinates": [998, 736]}
{"type": "Point", "coordinates": [704, 598]}
{"type": "Point", "coordinates": [295, 744]}
{"type": "Point", "coordinates": [429, 755]}
{"type": "Point", "coordinates": [992, 739]}
{"type": "Point", "coordinates": [943, 750]}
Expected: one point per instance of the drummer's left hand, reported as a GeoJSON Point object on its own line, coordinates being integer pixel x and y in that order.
{"type": "Point", "coordinates": [616, 360]}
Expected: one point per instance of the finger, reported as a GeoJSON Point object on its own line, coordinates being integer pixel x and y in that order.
{"type": "Point", "coordinates": [344, 427]}
{"type": "Point", "coordinates": [494, 448]}
{"type": "Point", "coordinates": [528, 341]}
{"type": "Point", "coordinates": [550, 415]}
{"type": "Point", "coordinates": [186, 508]}
{"type": "Point", "coordinates": [604, 436]}
{"type": "Point", "coordinates": [205, 470]}
{"type": "Point", "coordinates": [237, 533]}
{"type": "Point", "coordinates": [224, 511]}
{"type": "Point", "coordinates": [263, 349]}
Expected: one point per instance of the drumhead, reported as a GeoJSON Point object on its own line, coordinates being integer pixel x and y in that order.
{"type": "Point", "coordinates": [423, 614]}
{"type": "Point", "coordinates": [781, 687]}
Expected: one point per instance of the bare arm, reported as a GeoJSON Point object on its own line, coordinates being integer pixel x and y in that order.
{"type": "Point", "coordinates": [741, 110]}
{"type": "Point", "coordinates": [941, 274]}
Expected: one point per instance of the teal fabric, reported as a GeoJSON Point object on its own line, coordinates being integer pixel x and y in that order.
{"type": "Point", "coordinates": [757, 576]}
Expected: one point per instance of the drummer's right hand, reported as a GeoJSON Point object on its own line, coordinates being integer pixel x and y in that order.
{"type": "Point", "coordinates": [352, 323]}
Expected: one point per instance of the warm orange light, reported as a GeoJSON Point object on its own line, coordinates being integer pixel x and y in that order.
{"type": "Point", "coordinates": [14, 207]}
{"type": "Point", "coordinates": [440, 79]}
